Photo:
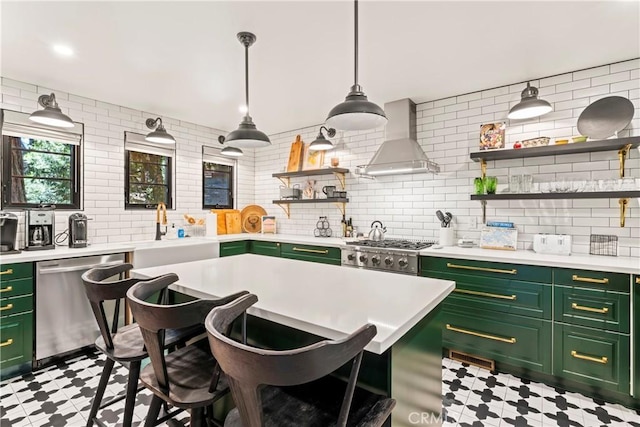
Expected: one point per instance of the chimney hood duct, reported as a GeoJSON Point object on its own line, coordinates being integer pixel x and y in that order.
{"type": "Point", "coordinates": [400, 153]}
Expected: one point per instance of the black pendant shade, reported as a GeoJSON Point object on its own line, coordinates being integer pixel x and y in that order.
{"type": "Point", "coordinates": [159, 135]}
{"type": "Point", "coordinates": [529, 105]}
{"type": "Point", "coordinates": [321, 143]}
{"type": "Point", "coordinates": [247, 135]}
{"type": "Point", "coordinates": [356, 112]}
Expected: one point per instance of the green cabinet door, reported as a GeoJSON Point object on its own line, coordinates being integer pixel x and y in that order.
{"type": "Point", "coordinates": [517, 340]}
{"type": "Point", "coordinates": [16, 340]}
{"type": "Point", "coordinates": [594, 357]}
{"type": "Point", "coordinates": [234, 248]}
{"type": "Point", "coordinates": [322, 254]}
{"type": "Point", "coordinates": [499, 270]}
{"type": "Point", "coordinates": [265, 248]}
{"type": "Point", "coordinates": [594, 308]}
{"type": "Point", "coordinates": [591, 279]}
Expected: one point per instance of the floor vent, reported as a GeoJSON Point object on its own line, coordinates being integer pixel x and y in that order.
{"type": "Point", "coordinates": [472, 359]}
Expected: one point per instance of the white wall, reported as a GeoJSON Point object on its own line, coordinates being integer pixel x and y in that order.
{"type": "Point", "coordinates": [103, 172]}
{"type": "Point", "coordinates": [448, 130]}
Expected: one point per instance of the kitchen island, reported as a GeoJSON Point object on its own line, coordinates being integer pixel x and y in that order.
{"type": "Point", "coordinates": [310, 301]}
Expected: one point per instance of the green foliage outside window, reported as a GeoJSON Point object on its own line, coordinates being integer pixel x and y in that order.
{"type": "Point", "coordinates": [148, 179]}
{"type": "Point", "coordinates": [40, 171]}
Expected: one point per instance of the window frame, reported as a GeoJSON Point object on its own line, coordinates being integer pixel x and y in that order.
{"type": "Point", "coordinates": [212, 155]}
{"type": "Point", "coordinates": [136, 143]}
{"type": "Point", "coordinates": [14, 123]}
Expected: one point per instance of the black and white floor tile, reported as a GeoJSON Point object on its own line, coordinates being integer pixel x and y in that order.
{"type": "Point", "coordinates": [472, 397]}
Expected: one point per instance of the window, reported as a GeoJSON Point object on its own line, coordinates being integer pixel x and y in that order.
{"type": "Point", "coordinates": [149, 171]}
{"type": "Point", "coordinates": [218, 180]}
{"type": "Point", "coordinates": [40, 164]}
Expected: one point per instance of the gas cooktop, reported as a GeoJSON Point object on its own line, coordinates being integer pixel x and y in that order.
{"type": "Point", "coordinates": [412, 245]}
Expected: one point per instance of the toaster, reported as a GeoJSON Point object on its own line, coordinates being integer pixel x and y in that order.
{"type": "Point", "coordinates": [294, 193]}
{"type": "Point", "coordinates": [556, 244]}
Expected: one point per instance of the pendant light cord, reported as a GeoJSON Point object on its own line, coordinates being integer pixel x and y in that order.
{"type": "Point", "coordinates": [355, 77]}
{"type": "Point", "coordinates": [246, 76]}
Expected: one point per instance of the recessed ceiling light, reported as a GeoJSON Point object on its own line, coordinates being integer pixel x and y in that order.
{"type": "Point", "coordinates": [62, 50]}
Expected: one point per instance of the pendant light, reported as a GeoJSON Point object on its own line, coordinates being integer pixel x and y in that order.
{"type": "Point", "coordinates": [529, 105]}
{"type": "Point", "coordinates": [356, 112]}
{"type": "Point", "coordinates": [321, 143]}
{"type": "Point", "coordinates": [159, 135]}
{"type": "Point", "coordinates": [51, 115]}
{"type": "Point", "coordinates": [247, 135]}
{"type": "Point", "coordinates": [229, 151]}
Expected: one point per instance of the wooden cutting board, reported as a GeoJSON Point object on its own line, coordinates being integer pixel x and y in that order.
{"type": "Point", "coordinates": [295, 155]}
{"type": "Point", "coordinates": [233, 222]}
{"type": "Point", "coordinates": [222, 219]}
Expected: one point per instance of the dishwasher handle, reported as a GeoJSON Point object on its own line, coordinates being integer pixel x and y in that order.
{"type": "Point", "coordinates": [52, 270]}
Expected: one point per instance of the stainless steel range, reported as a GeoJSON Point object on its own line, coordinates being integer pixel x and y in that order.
{"type": "Point", "coordinates": [395, 255]}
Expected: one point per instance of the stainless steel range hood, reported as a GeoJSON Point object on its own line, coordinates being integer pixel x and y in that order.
{"type": "Point", "coordinates": [400, 153]}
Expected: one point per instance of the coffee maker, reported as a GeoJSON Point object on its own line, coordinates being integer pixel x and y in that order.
{"type": "Point", "coordinates": [8, 233]}
{"type": "Point", "coordinates": [78, 230]}
{"type": "Point", "coordinates": [39, 229]}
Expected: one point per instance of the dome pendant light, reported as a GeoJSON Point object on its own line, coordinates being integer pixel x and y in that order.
{"type": "Point", "coordinates": [529, 106]}
{"type": "Point", "coordinates": [321, 143]}
{"type": "Point", "coordinates": [247, 135]}
{"type": "Point", "coordinates": [51, 115]}
{"type": "Point", "coordinates": [356, 112]}
{"type": "Point", "coordinates": [159, 135]}
{"type": "Point", "coordinates": [229, 151]}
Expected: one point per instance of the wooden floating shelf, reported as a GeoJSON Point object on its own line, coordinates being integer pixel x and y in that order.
{"type": "Point", "coordinates": [553, 150]}
{"type": "Point", "coordinates": [327, 200]}
{"type": "Point", "coordinates": [574, 195]}
{"type": "Point", "coordinates": [313, 172]}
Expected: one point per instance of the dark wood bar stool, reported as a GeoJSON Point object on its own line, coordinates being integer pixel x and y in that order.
{"type": "Point", "coordinates": [293, 388]}
{"type": "Point", "coordinates": [188, 378]}
{"type": "Point", "coordinates": [124, 345]}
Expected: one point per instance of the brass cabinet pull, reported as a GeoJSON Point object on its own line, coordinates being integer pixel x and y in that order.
{"type": "Point", "coordinates": [485, 294]}
{"type": "Point", "coordinates": [7, 289]}
{"type": "Point", "coordinates": [313, 251]}
{"type": "Point", "coordinates": [637, 280]}
{"type": "Point", "coordinates": [602, 310]}
{"type": "Point", "coordinates": [490, 270]}
{"type": "Point", "coordinates": [6, 307]}
{"type": "Point", "coordinates": [577, 278]}
{"type": "Point", "coordinates": [478, 334]}
{"type": "Point", "coordinates": [6, 343]}
{"type": "Point", "coordinates": [8, 271]}
{"type": "Point", "coordinates": [602, 359]}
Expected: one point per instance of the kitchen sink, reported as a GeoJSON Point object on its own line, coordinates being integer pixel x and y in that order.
{"type": "Point", "coordinates": [161, 252]}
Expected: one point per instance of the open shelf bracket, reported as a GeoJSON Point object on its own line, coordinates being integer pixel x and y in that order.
{"type": "Point", "coordinates": [623, 153]}
{"type": "Point", "coordinates": [342, 207]}
{"type": "Point", "coordinates": [340, 176]}
{"type": "Point", "coordinates": [286, 208]}
{"type": "Point", "coordinates": [285, 180]}
{"type": "Point", "coordinates": [623, 210]}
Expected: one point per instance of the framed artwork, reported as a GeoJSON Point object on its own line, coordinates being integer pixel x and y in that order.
{"type": "Point", "coordinates": [312, 159]}
{"type": "Point", "coordinates": [492, 135]}
{"type": "Point", "coordinates": [268, 224]}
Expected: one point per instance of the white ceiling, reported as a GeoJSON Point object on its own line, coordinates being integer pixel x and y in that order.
{"type": "Point", "coordinates": [182, 59]}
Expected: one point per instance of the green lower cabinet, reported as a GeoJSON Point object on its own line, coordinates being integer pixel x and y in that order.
{"type": "Point", "coordinates": [593, 308]}
{"type": "Point", "coordinates": [594, 357]}
{"type": "Point", "coordinates": [516, 340]}
{"type": "Point", "coordinates": [16, 340]}
{"type": "Point", "coordinates": [234, 248]}
{"type": "Point", "coordinates": [322, 254]}
{"type": "Point", "coordinates": [498, 295]}
{"type": "Point", "coordinates": [265, 248]}
{"type": "Point", "coordinates": [636, 329]}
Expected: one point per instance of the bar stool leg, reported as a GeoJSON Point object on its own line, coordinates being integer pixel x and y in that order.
{"type": "Point", "coordinates": [132, 388]}
{"type": "Point", "coordinates": [197, 417]}
{"type": "Point", "coordinates": [154, 410]}
{"type": "Point", "coordinates": [97, 399]}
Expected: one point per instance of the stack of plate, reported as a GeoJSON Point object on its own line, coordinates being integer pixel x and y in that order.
{"type": "Point", "coordinates": [251, 218]}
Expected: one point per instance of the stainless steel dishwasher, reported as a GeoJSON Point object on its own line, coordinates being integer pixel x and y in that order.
{"type": "Point", "coordinates": [64, 319]}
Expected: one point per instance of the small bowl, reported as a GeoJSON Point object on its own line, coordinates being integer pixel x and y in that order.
{"type": "Point", "coordinates": [579, 139]}
{"type": "Point", "coordinates": [561, 141]}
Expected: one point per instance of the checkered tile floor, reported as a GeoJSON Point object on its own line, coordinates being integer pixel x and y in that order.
{"type": "Point", "coordinates": [61, 396]}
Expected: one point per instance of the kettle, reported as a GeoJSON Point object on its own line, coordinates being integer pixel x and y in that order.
{"type": "Point", "coordinates": [377, 234]}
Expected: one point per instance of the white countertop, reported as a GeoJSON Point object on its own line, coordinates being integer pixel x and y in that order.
{"type": "Point", "coordinates": [326, 300]}
{"type": "Point", "coordinates": [626, 265]}
{"type": "Point", "coordinates": [61, 252]}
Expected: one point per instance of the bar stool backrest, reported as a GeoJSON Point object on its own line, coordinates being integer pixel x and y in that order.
{"type": "Point", "coordinates": [247, 368]}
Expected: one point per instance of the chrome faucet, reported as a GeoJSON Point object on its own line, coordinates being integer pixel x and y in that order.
{"type": "Point", "coordinates": [161, 207]}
